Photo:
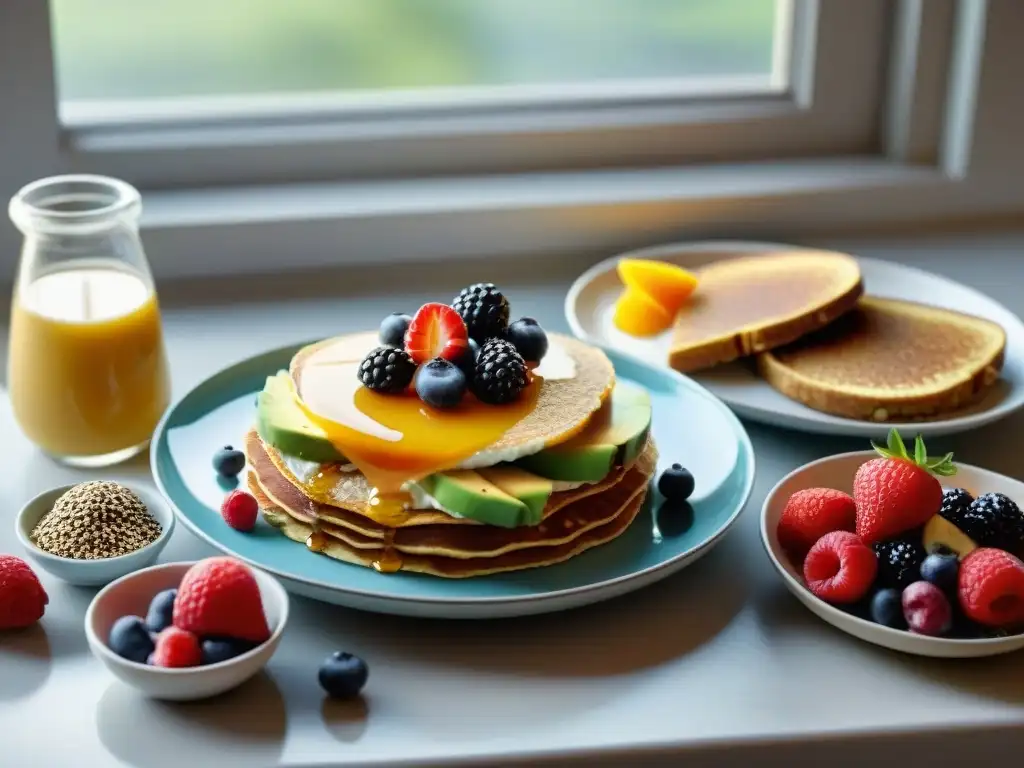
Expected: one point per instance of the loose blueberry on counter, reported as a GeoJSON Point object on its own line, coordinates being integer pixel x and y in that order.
{"type": "Point", "coordinates": [941, 570]}
{"type": "Point", "coordinates": [130, 639]}
{"type": "Point", "coordinates": [887, 609]}
{"type": "Point", "coordinates": [529, 339]}
{"type": "Point", "coordinates": [161, 608]}
{"type": "Point", "coordinates": [343, 675]}
{"type": "Point", "coordinates": [228, 461]}
{"type": "Point", "coordinates": [676, 483]}
{"type": "Point", "coordinates": [215, 651]}
{"type": "Point", "coordinates": [440, 383]}
{"type": "Point", "coordinates": [393, 328]}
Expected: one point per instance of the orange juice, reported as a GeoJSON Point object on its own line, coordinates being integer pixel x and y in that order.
{"type": "Point", "coordinates": [87, 370]}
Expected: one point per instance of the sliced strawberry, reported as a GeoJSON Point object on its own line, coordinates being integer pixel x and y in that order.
{"type": "Point", "coordinates": [437, 330]}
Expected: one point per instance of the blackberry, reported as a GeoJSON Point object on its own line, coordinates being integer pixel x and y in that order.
{"type": "Point", "coordinates": [484, 311]}
{"type": "Point", "coordinates": [899, 562]}
{"type": "Point", "coordinates": [500, 374]}
{"type": "Point", "coordinates": [957, 507]}
{"type": "Point", "coordinates": [1003, 522]}
{"type": "Point", "coordinates": [387, 370]}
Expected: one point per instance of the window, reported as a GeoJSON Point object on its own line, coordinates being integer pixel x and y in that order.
{"type": "Point", "coordinates": [124, 50]}
{"type": "Point", "coordinates": [376, 129]}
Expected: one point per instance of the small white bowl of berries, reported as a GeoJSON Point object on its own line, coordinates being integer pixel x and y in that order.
{"type": "Point", "coordinates": [906, 551]}
{"type": "Point", "coordinates": [188, 631]}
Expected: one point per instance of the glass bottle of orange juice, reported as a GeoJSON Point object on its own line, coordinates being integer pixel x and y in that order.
{"type": "Point", "coordinates": [87, 370]}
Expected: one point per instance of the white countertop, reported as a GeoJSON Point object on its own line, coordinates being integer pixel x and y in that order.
{"type": "Point", "coordinates": [718, 663]}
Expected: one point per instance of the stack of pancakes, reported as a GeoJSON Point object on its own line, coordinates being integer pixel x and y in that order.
{"type": "Point", "coordinates": [330, 506]}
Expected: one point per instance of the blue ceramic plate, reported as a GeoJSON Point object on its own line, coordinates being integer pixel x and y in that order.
{"type": "Point", "coordinates": [690, 426]}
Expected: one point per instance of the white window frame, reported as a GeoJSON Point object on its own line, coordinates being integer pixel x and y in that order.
{"type": "Point", "coordinates": [896, 110]}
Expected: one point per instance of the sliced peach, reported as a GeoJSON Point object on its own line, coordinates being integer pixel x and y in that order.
{"type": "Point", "coordinates": [638, 314]}
{"type": "Point", "coordinates": [669, 285]}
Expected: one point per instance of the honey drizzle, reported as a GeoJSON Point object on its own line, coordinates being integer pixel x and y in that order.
{"type": "Point", "coordinates": [395, 439]}
{"type": "Point", "coordinates": [389, 561]}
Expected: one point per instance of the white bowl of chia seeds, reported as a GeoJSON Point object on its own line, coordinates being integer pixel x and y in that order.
{"type": "Point", "coordinates": [92, 533]}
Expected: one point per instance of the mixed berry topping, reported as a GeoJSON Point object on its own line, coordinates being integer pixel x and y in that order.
{"type": "Point", "coordinates": [444, 352]}
{"type": "Point", "coordinates": [500, 373]}
{"type": "Point", "coordinates": [387, 370]}
{"type": "Point", "coordinates": [484, 310]}
{"type": "Point", "coordinates": [393, 328]}
{"type": "Point", "coordinates": [441, 383]}
{"type": "Point", "coordinates": [529, 339]}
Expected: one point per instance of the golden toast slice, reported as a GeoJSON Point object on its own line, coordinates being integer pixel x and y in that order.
{"type": "Point", "coordinates": [755, 303]}
{"type": "Point", "coordinates": [890, 360]}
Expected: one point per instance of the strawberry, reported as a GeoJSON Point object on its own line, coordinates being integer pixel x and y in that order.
{"type": "Point", "coordinates": [22, 598]}
{"type": "Point", "coordinates": [437, 330]}
{"type": "Point", "coordinates": [897, 492]}
{"type": "Point", "coordinates": [219, 597]}
{"type": "Point", "coordinates": [991, 587]}
{"type": "Point", "coordinates": [176, 648]}
{"type": "Point", "coordinates": [810, 514]}
{"type": "Point", "coordinates": [840, 568]}
{"type": "Point", "coordinates": [239, 510]}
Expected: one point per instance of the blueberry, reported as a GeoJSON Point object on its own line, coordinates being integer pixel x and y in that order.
{"type": "Point", "coordinates": [676, 483]}
{"type": "Point", "coordinates": [440, 383]}
{"type": "Point", "coordinates": [130, 639]}
{"type": "Point", "coordinates": [217, 650]}
{"type": "Point", "coordinates": [887, 609]}
{"type": "Point", "coordinates": [941, 570]}
{"type": "Point", "coordinates": [393, 328]}
{"type": "Point", "coordinates": [475, 346]}
{"type": "Point", "coordinates": [467, 360]}
{"type": "Point", "coordinates": [158, 617]}
{"type": "Point", "coordinates": [529, 339]}
{"type": "Point", "coordinates": [343, 675]}
{"type": "Point", "coordinates": [228, 461]}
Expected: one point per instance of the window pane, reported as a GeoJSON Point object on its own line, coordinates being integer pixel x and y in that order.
{"type": "Point", "coordinates": [151, 49]}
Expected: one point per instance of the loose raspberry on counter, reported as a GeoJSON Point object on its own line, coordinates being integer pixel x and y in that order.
{"type": "Point", "coordinates": [22, 597]}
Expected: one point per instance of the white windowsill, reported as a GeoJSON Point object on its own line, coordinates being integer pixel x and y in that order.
{"type": "Point", "coordinates": [287, 227]}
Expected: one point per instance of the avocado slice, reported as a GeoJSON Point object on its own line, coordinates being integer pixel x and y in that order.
{"type": "Point", "coordinates": [466, 493]}
{"type": "Point", "coordinates": [614, 437]}
{"type": "Point", "coordinates": [282, 424]}
{"type": "Point", "coordinates": [532, 490]}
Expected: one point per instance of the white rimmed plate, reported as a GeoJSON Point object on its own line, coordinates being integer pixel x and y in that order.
{"type": "Point", "coordinates": [590, 302]}
{"type": "Point", "coordinates": [837, 472]}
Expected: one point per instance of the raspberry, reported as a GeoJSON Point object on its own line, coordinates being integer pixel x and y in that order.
{"type": "Point", "coordinates": [219, 597]}
{"type": "Point", "coordinates": [926, 609]}
{"type": "Point", "coordinates": [22, 598]}
{"type": "Point", "coordinates": [176, 648]}
{"type": "Point", "coordinates": [991, 587]}
{"type": "Point", "coordinates": [840, 568]}
{"type": "Point", "coordinates": [810, 514]}
{"type": "Point", "coordinates": [239, 510]}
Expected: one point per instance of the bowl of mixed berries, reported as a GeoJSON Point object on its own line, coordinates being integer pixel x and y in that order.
{"type": "Point", "coordinates": [907, 551]}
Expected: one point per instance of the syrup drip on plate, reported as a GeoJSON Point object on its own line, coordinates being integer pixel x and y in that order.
{"type": "Point", "coordinates": [394, 439]}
